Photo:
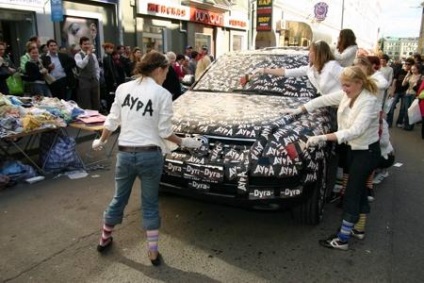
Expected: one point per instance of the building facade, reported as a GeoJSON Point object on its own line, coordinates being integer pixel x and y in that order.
{"type": "Point", "coordinates": [170, 25]}
{"type": "Point", "coordinates": [400, 48]}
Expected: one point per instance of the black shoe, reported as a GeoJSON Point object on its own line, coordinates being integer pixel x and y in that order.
{"type": "Point", "coordinates": [102, 249]}
{"type": "Point", "coordinates": [333, 242]}
{"type": "Point", "coordinates": [334, 197]}
{"type": "Point", "coordinates": [360, 235]}
{"type": "Point", "coordinates": [157, 261]}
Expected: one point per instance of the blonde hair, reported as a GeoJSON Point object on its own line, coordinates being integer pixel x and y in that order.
{"type": "Point", "coordinates": [355, 74]}
{"type": "Point", "coordinates": [366, 63]}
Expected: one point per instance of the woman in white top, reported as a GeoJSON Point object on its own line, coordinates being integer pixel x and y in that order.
{"type": "Point", "coordinates": [143, 110]}
{"type": "Point", "coordinates": [371, 65]}
{"type": "Point", "coordinates": [413, 81]}
{"type": "Point", "coordinates": [323, 71]}
{"type": "Point", "coordinates": [357, 117]}
{"type": "Point", "coordinates": [346, 48]}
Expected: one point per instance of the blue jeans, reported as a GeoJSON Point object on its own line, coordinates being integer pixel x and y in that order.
{"type": "Point", "coordinates": [397, 97]}
{"type": "Point", "coordinates": [40, 89]}
{"type": "Point", "coordinates": [147, 166]}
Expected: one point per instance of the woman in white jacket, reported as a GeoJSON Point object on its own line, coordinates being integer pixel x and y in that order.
{"type": "Point", "coordinates": [357, 117]}
{"type": "Point", "coordinates": [346, 48]}
{"type": "Point", "coordinates": [323, 70]}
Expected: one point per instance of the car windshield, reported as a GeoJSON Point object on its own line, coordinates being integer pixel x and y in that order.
{"type": "Point", "coordinates": [226, 73]}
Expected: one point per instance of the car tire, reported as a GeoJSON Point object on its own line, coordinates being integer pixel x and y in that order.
{"type": "Point", "coordinates": [311, 210]}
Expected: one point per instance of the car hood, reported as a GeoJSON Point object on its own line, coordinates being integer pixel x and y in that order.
{"type": "Point", "coordinates": [230, 114]}
{"type": "Point", "coordinates": [248, 134]}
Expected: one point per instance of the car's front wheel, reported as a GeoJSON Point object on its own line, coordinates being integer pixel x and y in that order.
{"type": "Point", "coordinates": [311, 210]}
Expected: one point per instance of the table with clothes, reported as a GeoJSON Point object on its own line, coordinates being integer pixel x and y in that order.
{"type": "Point", "coordinates": [35, 126]}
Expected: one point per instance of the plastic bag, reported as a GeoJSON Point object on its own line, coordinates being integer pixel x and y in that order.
{"type": "Point", "coordinates": [61, 155]}
{"type": "Point", "coordinates": [15, 84]}
{"type": "Point", "coordinates": [414, 112]}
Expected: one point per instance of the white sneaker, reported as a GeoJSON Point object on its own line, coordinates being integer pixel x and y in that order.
{"type": "Point", "coordinates": [380, 177]}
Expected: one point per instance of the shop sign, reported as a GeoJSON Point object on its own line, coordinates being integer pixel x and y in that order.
{"type": "Point", "coordinates": [57, 10]}
{"type": "Point", "coordinates": [32, 3]}
{"type": "Point", "coordinates": [320, 11]}
{"type": "Point", "coordinates": [162, 10]}
{"type": "Point", "coordinates": [237, 23]}
{"type": "Point", "coordinates": [264, 15]}
{"type": "Point", "coordinates": [206, 17]}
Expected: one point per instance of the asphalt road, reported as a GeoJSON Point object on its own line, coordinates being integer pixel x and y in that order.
{"type": "Point", "coordinates": [49, 231]}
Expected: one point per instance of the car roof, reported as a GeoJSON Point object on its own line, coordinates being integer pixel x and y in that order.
{"type": "Point", "coordinates": [293, 50]}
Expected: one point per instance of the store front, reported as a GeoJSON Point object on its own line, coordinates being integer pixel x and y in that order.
{"type": "Point", "coordinates": [170, 27]}
{"type": "Point", "coordinates": [96, 20]}
{"type": "Point", "coordinates": [19, 20]}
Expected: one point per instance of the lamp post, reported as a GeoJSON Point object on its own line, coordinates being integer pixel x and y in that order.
{"type": "Point", "coordinates": [251, 15]}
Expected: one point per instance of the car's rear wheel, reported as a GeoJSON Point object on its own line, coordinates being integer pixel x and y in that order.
{"type": "Point", "coordinates": [311, 210]}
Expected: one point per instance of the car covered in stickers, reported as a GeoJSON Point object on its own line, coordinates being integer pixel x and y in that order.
{"type": "Point", "coordinates": [252, 153]}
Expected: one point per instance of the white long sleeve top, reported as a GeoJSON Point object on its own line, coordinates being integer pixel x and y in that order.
{"type": "Point", "coordinates": [326, 82]}
{"type": "Point", "coordinates": [347, 57]}
{"type": "Point", "coordinates": [81, 63]}
{"type": "Point", "coordinates": [382, 85]}
{"type": "Point", "coordinates": [143, 109]}
{"type": "Point", "coordinates": [357, 125]}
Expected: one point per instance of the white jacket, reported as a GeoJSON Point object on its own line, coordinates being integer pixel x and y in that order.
{"type": "Point", "coordinates": [326, 82]}
{"type": "Point", "coordinates": [347, 57]}
{"type": "Point", "coordinates": [357, 125]}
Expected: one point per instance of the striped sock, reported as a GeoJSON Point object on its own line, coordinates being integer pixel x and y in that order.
{"type": "Point", "coordinates": [345, 230]}
{"type": "Point", "coordinates": [369, 183]}
{"type": "Point", "coordinates": [152, 239]}
{"type": "Point", "coordinates": [360, 225]}
{"type": "Point", "coordinates": [106, 234]}
{"type": "Point", "coordinates": [344, 184]}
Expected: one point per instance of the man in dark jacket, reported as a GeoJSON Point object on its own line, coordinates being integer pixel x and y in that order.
{"type": "Point", "coordinates": [60, 66]}
{"type": "Point", "coordinates": [6, 69]}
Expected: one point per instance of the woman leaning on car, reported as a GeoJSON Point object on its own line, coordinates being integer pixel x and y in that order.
{"type": "Point", "coordinates": [323, 70]}
{"type": "Point", "coordinates": [358, 123]}
{"type": "Point", "coordinates": [143, 110]}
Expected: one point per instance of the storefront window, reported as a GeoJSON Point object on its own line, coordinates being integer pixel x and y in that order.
{"type": "Point", "coordinates": [201, 39]}
{"type": "Point", "coordinates": [152, 38]}
{"type": "Point", "coordinates": [237, 42]}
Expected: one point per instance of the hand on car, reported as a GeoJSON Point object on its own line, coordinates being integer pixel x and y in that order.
{"type": "Point", "coordinates": [316, 140]}
{"type": "Point", "coordinates": [292, 111]}
{"type": "Point", "coordinates": [191, 143]}
{"type": "Point", "coordinates": [98, 144]}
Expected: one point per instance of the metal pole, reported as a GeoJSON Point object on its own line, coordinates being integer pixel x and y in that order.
{"type": "Point", "coordinates": [341, 25]}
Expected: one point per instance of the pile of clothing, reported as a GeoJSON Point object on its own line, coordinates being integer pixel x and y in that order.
{"type": "Point", "coordinates": [25, 114]}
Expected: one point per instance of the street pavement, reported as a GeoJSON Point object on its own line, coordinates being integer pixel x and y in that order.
{"type": "Point", "coordinates": [49, 231]}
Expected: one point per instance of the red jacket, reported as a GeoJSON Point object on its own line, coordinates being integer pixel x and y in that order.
{"type": "Point", "coordinates": [421, 102]}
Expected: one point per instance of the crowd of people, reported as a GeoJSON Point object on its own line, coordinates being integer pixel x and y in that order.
{"type": "Point", "coordinates": [363, 89]}
{"type": "Point", "coordinates": [79, 75]}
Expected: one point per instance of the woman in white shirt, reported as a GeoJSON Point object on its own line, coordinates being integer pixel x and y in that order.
{"type": "Point", "coordinates": [346, 48]}
{"type": "Point", "coordinates": [357, 117]}
{"type": "Point", "coordinates": [143, 110]}
{"type": "Point", "coordinates": [323, 71]}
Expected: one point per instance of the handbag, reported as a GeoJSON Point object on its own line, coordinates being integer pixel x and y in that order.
{"type": "Point", "coordinates": [15, 84]}
{"type": "Point", "coordinates": [49, 79]}
{"type": "Point", "coordinates": [414, 113]}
